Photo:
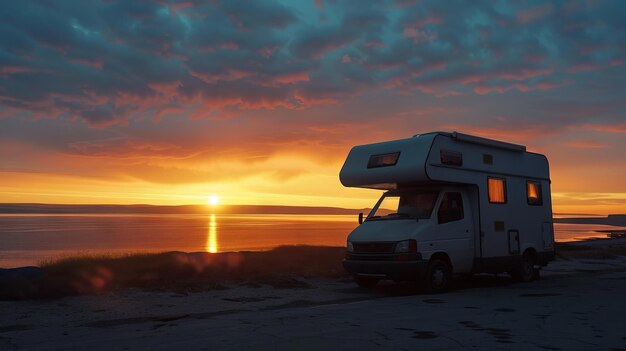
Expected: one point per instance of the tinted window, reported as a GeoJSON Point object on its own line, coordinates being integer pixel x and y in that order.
{"type": "Point", "coordinates": [418, 204]}
{"type": "Point", "coordinates": [383, 160]}
{"type": "Point", "coordinates": [408, 204]}
{"type": "Point", "coordinates": [451, 158]}
{"type": "Point", "coordinates": [451, 208]}
{"type": "Point", "coordinates": [497, 190]}
{"type": "Point", "coordinates": [533, 194]}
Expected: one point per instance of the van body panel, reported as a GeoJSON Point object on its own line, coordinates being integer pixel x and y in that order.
{"type": "Point", "coordinates": [501, 221]}
{"type": "Point", "coordinates": [387, 230]}
{"type": "Point", "coordinates": [408, 169]}
{"type": "Point", "coordinates": [455, 238]}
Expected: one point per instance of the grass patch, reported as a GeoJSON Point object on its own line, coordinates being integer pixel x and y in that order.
{"type": "Point", "coordinates": [580, 251]}
{"type": "Point", "coordinates": [180, 271]}
{"type": "Point", "coordinates": [282, 267]}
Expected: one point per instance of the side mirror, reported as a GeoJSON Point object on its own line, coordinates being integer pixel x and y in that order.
{"type": "Point", "coordinates": [360, 217]}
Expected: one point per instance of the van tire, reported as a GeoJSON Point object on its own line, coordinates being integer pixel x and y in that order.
{"type": "Point", "coordinates": [525, 272]}
{"type": "Point", "coordinates": [366, 283]}
{"type": "Point", "coordinates": [438, 276]}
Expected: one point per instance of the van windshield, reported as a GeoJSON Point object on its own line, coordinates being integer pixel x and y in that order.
{"type": "Point", "coordinates": [409, 204]}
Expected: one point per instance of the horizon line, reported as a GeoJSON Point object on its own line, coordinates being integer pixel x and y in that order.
{"type": "Point", "coordinates": [24, 206]}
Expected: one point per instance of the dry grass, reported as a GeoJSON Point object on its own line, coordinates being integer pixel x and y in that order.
{"type": "Point", "coordinates": [179, 271]}
{"type": "Point", "coordinates": [579, 251]}
{"type": "Point", "coordinates": [281, 267]}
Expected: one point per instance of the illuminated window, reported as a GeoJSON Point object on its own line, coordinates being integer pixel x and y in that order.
{"type": "Point", "coordinates": [533, 194]}
{"type": "Point", "coordinates": [497, 190]}
{"type": "Point", "coordinates": [384, 160]}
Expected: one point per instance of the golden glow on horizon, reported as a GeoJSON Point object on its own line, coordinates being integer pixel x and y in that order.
{"type": "Point", "coordinates": [213, 200]}
{"type": "Point", "coordinates": [211, 242]}
{"type": "Point", "coordinates": [304, 183]}
{"type": "Point", "coordinates": [327, 191]}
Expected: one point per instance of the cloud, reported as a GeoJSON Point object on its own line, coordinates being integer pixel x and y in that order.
{"type": "Point", "coordinates": [120, 147]}
{"type": "Point", "coordinates": [173, 92]}
{"type": "Point", "coordinates": [586, 144]}
{"type": "Point", "coordinates": [106, 62]}
{"type": "Point", "coordinates": [607, 127]}
{"type": "Point", "coordinates": [535, 12]}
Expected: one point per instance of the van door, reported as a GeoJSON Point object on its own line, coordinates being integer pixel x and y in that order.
{"type": "Point", "coordinates": [454, 234]}
{"type": "Point", "coordinates": [497, 219]}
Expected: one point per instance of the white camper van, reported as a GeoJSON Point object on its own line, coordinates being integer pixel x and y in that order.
{"type": "Point", "coordinates": [453, 204]}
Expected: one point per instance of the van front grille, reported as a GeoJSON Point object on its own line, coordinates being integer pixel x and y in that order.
{"type": "Point", "coordinates": [374, 247]}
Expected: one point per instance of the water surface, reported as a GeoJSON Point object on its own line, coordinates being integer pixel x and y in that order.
{"type": "Point", "coordinates": [30, 239]}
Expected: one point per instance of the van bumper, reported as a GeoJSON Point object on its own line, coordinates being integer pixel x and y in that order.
{"type": "Point", "coordinates": [395, 270]}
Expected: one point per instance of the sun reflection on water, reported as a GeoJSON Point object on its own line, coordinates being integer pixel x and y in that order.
{"type": "Point", "coordinates": [211, 243]}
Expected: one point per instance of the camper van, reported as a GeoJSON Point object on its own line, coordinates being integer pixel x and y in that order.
{"type": "Point", "coordinates": [453, 204]}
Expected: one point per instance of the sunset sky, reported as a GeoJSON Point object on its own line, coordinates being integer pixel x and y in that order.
{"type": "Point", "coordinates": [259, 102]}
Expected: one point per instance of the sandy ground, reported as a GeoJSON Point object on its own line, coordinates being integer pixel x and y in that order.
{"type": "Point", "coordinates": [577, 305]}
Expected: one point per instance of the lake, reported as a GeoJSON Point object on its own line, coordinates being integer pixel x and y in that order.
{"type": "Point", "coordinates": [29, 239]}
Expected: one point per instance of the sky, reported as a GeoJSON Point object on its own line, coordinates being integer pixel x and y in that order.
{"type": "Point", "coordinates": [259, 102]}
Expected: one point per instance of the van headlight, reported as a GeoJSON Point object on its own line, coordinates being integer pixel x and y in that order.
{"type": "Point", "coordinates": [406, 246]}
{"type": "Point", "coordinates": [350, 247]}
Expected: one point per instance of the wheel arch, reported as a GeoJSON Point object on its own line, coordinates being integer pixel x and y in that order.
{"type": "Point", "coordinates": [442, 255]}
{"type": "Point", "coordinates": [531, 251]}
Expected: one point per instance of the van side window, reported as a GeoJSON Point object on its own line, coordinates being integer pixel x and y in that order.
{"type": "Point", "coordinates": [497, 190]}
{"type": "Point", "coordinates": [451, 208]}
{"type": "Point", "coordinates": [533, 193]}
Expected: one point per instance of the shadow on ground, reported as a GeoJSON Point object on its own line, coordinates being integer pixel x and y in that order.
{"type": "Point", "coordinates": [388, 288]}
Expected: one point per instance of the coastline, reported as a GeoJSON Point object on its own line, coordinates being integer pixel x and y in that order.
{"type": "Point", "coordinates": [175, 270]}
{"type": "Point", "coordinates": [617, 220]}
{"type": "Point", "coordinates": [315, 312]}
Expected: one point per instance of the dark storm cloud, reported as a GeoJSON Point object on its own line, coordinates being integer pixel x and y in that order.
{"type": "Point", "coordinates": [107, 62]}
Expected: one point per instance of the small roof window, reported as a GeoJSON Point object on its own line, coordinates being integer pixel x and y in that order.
{"type": "Point", "coordinates": [452, 158]}
{"type": "Point", "coordinates": [383, 160]}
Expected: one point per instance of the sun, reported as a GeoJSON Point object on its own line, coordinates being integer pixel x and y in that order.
{"type": "Point", "coordinates": [213, 200]}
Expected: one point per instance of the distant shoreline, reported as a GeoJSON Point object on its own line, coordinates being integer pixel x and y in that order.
{"type": "Point", "coordinates": [618, 220]}
{"type": "Point", "coordinates": [36, 208]}
{"type": "Point", "coordinates": [39, 208]}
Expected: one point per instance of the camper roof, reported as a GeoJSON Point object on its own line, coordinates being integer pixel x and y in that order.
{"type": "Point", "coordinates": [437, 157]}
{"type": "Point", "coordinates": [479, 141]}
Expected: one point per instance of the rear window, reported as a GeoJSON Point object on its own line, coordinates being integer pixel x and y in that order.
{"type": "Point", "coordinates": [533, 193]}
{"type": "Point", "coordinates": [383, 160]}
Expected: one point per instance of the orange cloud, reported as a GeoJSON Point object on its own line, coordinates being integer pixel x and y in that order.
{"type": "Point", "coordinates": [586, 67]}
{"type": "Point", "coordinates": [535, 12]}
{"type": "Point", "coordinates": [611, 128]}
{"type": "Point", "coordinates": [6, 70]}
{"type": "Point", "coordinates": [292, 78]}
{"type": "Point", "coordinates": [586, 144]}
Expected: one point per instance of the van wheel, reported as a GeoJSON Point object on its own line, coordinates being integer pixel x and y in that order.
{"type": "Point", "coordinates": [366, 283]}
{"type": "Point", "coordinates": [438, 276]}
{"type": "Point", "coordinates": [525, 272]}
